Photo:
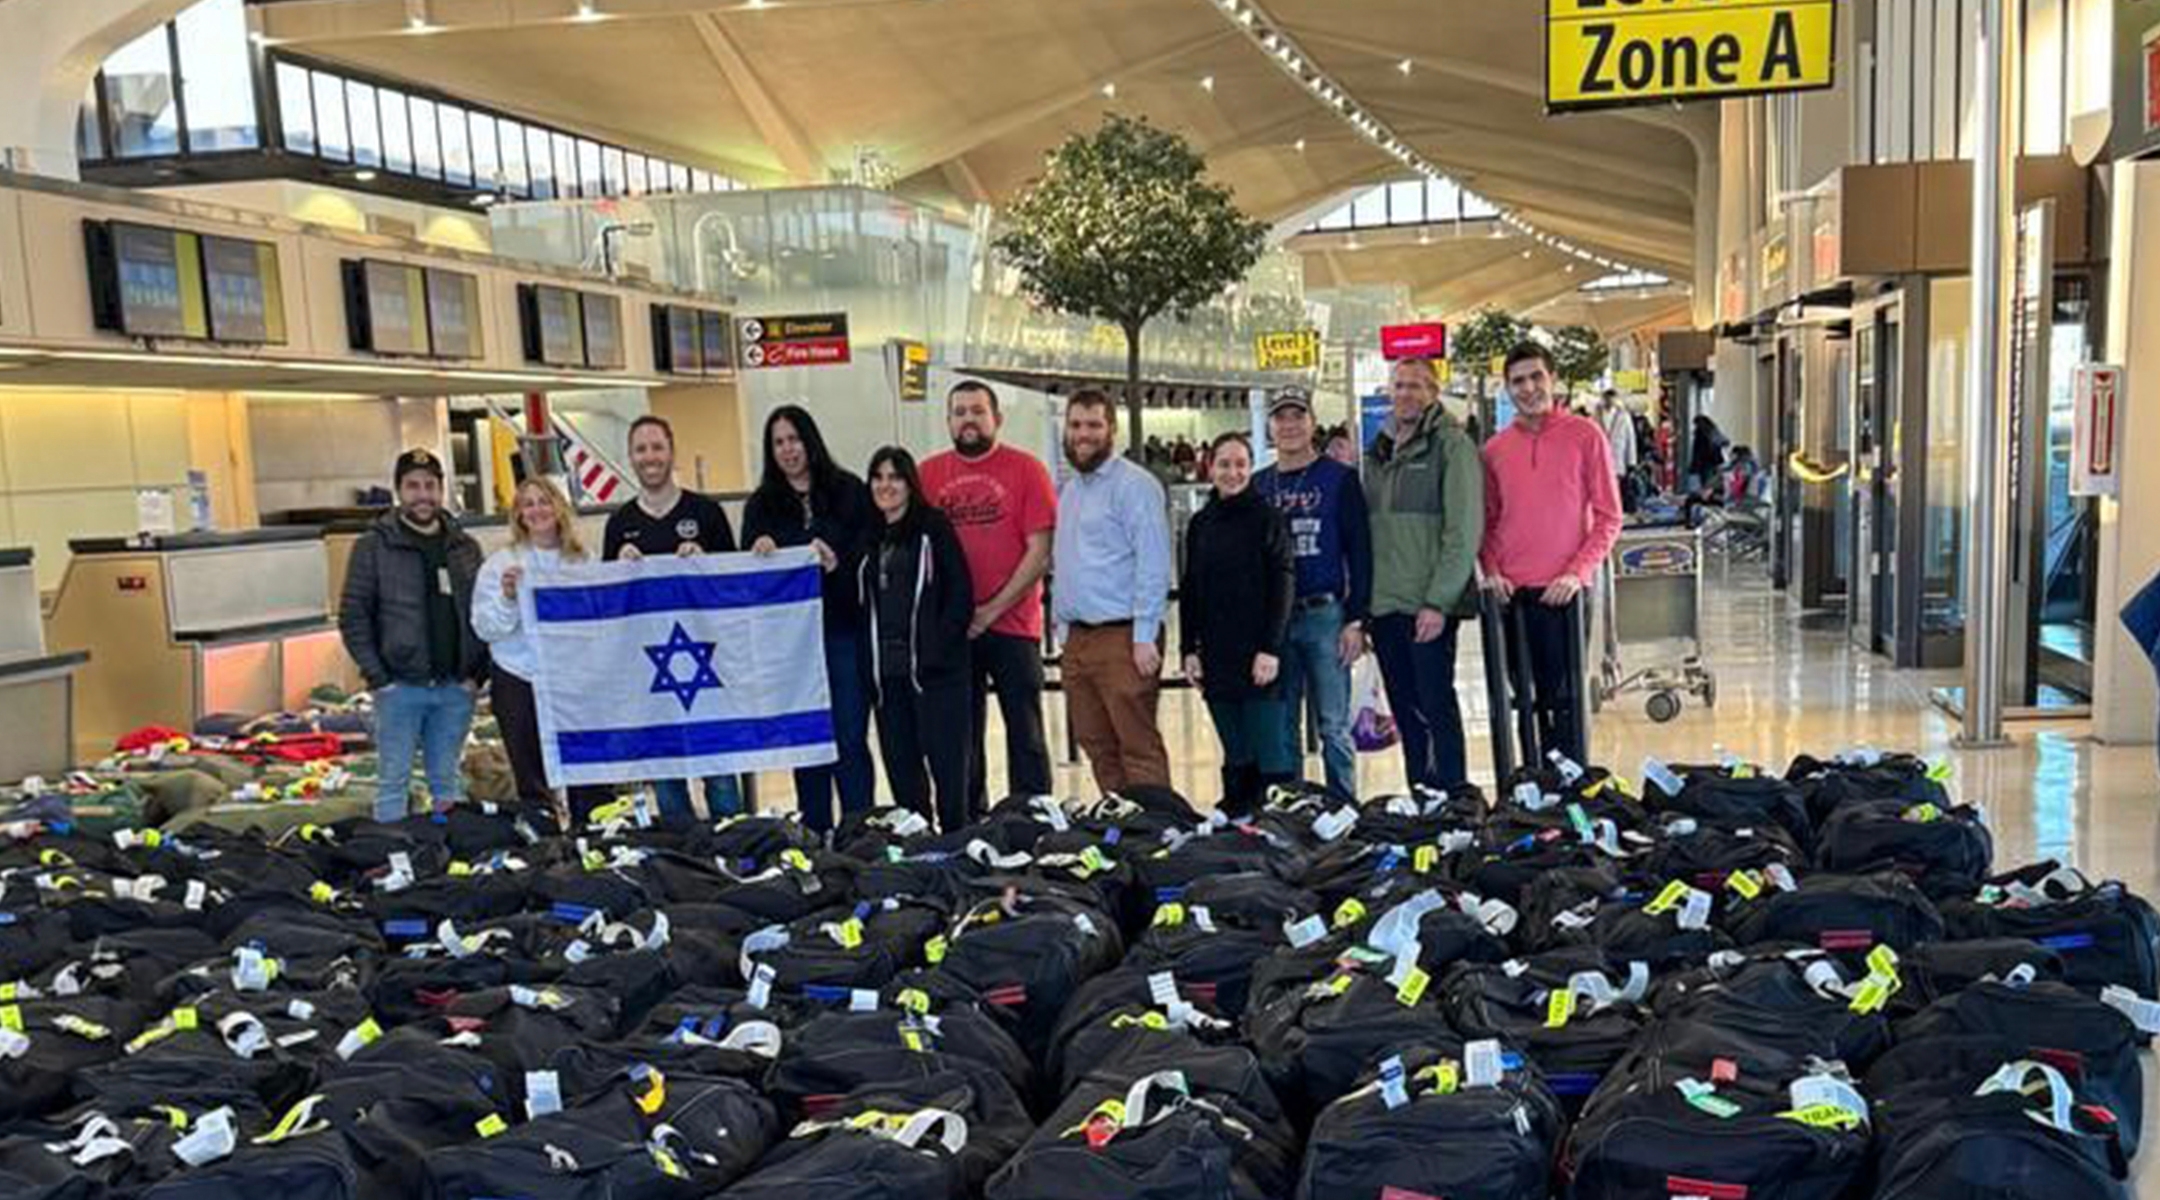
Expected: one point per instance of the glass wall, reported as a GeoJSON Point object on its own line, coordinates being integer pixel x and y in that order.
{"type": "Point", "coordinates": [1943, 524]}
{"type": "Point", "coordinates": [217, 77]}
{"type": "Point", "coordinates": [1406, 202]}
{"type": "Point", "coordinates": [139, 93]}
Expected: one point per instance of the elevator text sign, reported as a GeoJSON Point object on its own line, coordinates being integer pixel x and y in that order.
{"type": "Point", "coordinates": [1612, 53]}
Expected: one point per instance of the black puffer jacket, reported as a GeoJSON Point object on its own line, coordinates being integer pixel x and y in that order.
{"type": "Point", "coordinates": [383, 614]}
{"type": "Point", "coordinates": [1234, 595]}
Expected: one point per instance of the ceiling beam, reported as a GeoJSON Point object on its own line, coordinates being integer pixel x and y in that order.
{"type": "Point", "coordinates": [798, 156]}
{"type": "Point", "coordinates": [966, 184]}
{"type": "Point", "coordinates": [291, 22]}
{"type": "Point", "coordinates": [973, 135]}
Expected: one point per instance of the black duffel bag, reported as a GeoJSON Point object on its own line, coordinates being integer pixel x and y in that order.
{"type": "Point", "coordinates": [1431, 1132]}
{"type": "Point", "coordinates": [2104, 933]}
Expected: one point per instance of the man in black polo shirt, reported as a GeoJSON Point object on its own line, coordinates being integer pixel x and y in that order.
{"type": "Point", "coordinates": [667, 519]}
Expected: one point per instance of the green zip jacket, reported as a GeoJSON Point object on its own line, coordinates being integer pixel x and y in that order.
{"type": "Point", "coordinates": [1426, 502]}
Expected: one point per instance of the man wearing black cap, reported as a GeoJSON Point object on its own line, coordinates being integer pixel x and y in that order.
{"type": "Point", "coordinates": [1324, 507]}
{"type": "Point", "coordinates": [406, 620]}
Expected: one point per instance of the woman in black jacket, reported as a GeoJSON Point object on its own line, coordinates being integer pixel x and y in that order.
{"type": "Point", "coordinates": [805, 499]}
{"type": "Point", "coordinates": [1234, 603]}
{"type": "Point", "coordinates": [918, 599]}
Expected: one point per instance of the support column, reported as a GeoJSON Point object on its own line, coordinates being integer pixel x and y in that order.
{"type": "Point", "coordinates": [1987, 392]}
{"type": "Point", "coordinates": [54, 48]}
{"type": "Point", "coordinates": [2123, 701]}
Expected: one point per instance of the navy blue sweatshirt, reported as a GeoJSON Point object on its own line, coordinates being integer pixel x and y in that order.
{"type": "Point", "coordinates": [1329, 536]}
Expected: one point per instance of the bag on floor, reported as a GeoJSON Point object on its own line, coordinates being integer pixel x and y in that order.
{"type": "Point", "coordinates": [2004, 1142]}
{"type": "Point", "coordinates": [1942, 844]}
{"type": "Point", "coordinates": [1840, 913]}
{"type": "Point", "coordinates": [2104, 933]}
{"type": "Point", "coordinates": [919, 1155]}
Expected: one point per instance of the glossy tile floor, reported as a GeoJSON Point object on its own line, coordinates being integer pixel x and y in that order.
{"type": "Point", "coordinates": [1786, 686]}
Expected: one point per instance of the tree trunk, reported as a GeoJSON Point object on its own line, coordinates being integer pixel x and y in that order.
{"type": "Point", "coordinates": [1134, 435]}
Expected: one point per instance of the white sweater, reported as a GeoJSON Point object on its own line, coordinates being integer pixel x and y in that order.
{"type": "Point", "coordinates": [497, 620]}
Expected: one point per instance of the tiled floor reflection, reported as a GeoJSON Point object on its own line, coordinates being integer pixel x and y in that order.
{"type": "Point", "coordinates": [1788, 685]}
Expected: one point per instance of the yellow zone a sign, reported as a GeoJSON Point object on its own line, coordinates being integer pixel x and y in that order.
{"type": "Point", "coordinates": [1296, 350]}
{"type": "Point", "coordinates": [1613, 53]}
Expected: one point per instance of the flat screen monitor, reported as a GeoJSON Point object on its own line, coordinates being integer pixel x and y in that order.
{"type": "Point", "coordinates": [675, 340]}
{"type": "Point", "coordinates": [386, 307]}
{"type": "Point", "coordinates": [717, 331]}
{"type": "Point", "coordinates": [246, 296]}
{"type": "Point", "coordinates": [554, 329]}
{"type": "Point", "coordinates": [151, 280]}
{"type": "Point", "coordinates": [453, 314]}
{"type": "Point", "coordinates": [604, 349]}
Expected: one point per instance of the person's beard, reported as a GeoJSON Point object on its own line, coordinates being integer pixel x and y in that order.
{"type": "Point", "coordinates": [971, 442]}
{"type": "Point", "coordinates": [1086, 464]}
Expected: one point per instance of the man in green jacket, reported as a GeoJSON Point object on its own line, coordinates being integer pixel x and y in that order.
{"type": "Point", "coordinates": [1425, 496]}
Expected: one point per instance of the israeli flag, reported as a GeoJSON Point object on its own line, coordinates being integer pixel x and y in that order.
{"type": "Point", "coordinates": [679, 668]}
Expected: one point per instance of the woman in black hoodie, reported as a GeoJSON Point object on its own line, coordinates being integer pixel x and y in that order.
{"type": "Point", "coordinates": [805, 499]}
{"type": "Point", "coordinates": [1234, 600]}
{"type": "Point", "coordinates": [918, 598]}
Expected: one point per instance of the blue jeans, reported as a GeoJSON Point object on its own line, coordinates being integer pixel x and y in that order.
{"type": "Point", "coordinates": [1312, 657]}
{"type": "Point", "coordinates": [416, 717]}
{"type": "Point", "coordinates": [723, 798]}
{"type": "Point", "coordinates": [1420, 679]}
{"type": "Point", "coordinates": [854, 774]}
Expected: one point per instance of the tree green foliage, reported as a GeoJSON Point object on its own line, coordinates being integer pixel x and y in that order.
{"type": "Point", "coordinates": [1580, 355]}
{"type": "Point", "coordinates": [1124, 226]}
{"type": "Point", "coordinates": [1487, 335]}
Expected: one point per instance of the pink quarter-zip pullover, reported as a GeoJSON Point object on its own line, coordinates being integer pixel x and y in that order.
{"type": "Point", "coordinates": [1552, 501]}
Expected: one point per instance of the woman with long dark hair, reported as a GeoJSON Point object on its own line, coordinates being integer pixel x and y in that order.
{"type": "Point", "coordinates": [918, 598]}
{"type": "Point", "coordinates": [806, 499]}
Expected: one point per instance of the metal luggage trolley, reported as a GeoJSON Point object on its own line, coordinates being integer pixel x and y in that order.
{"type": "Point", "coordinates": [1651, 596]}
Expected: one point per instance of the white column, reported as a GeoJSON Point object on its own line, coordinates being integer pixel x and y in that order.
{"type": "Point", "coordinates": [2123, 701]}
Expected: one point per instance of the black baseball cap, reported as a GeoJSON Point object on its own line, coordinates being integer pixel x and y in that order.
{"type": "Point", "coordinates": [1289, 397]}
{"type": "Point", "coordinates": [417, 459]}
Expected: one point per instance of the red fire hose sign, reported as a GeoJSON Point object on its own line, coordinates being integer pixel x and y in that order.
{"type": "Point", "coordinates": [2096, 448]}
{"type": "Point", "coordinates": [813, 340]}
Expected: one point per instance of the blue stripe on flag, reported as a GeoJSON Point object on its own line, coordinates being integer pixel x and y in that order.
{"type": "Point", "coordinates": [695, 739]}
{"type": "Point", "coordinates": [675, 593]}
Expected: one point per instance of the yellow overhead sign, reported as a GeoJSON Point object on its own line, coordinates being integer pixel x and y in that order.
{"type": "Point", "coordinates": [1296, 350]}
{"type": "Point", "coordinates": [1611, 53]}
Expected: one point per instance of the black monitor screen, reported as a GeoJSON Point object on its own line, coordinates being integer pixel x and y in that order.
{"type": "Point", "coordinates": [562, 338]}
{"type": "Point", "coordinates": [397, 308]}
{"type": "Point", "coordinates": [675, 339]}
{"type": "Point", "coordinates": [453, 307]}
{"type": "Point", "coordinates": [246, 296]}
{"type": "Point", "coordinates": [717, 331]}
{"type": "Point", "coordinates": [603, 332]}
{"type": "Point", "coordinates": [160, 282]}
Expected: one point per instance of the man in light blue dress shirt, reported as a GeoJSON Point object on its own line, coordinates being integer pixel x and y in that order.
{"type": "Point", "coordinates": [1111, 561]}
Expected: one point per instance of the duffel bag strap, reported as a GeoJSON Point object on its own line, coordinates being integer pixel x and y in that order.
{"type": "Point", "coordinates": [2015, 1077]}
{"type": "Point", "coordinates": [952, 1127]}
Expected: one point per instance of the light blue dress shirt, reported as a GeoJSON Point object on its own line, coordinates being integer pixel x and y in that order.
{"type": "Point", "coordinates": [1112, 553]}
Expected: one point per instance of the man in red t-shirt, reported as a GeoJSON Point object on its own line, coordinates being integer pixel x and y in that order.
{"type": "Point", "coordinates": [1002, 503]}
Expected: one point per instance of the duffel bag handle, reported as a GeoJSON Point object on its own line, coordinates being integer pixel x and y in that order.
{"type": "Point", "coordinates": [986, 854]}
{"type": "Point", "coordinates": [954, 1129]}
{"type": "Point", "coordinates": [2012, 1078]}
{"type": "Point", "coordinates": [1136, 1096]}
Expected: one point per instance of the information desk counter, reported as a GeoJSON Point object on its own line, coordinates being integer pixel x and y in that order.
{"type": "Point", "coordinates": [36, 688]}
{"type": "Point", "coordinates": [188, 624]}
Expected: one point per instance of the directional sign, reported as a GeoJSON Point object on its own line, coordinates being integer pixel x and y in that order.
{"type": "Point", "coordinates": [1427, 340]}
{"type": "Point", "coordinates": [1295, 350]}
{"type": "Point", "coordinates": [815, 340]}
{"type": "Point", "coordinates": [1613, 53]}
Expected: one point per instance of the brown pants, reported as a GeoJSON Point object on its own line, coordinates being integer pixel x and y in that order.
{"type": "Point", "coordinates": [1113, 709]}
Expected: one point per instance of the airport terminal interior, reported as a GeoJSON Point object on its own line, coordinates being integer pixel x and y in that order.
{"type": "Point", "coordinates": [1846, 900]}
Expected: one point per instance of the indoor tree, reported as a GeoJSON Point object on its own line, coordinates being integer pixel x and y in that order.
{"type": "Point", "coordinates": [1123, 226]}
{"type": "Point", "coordinates": [1580, 355]}
{"type": "Point", "coordinates": [1489, 334]}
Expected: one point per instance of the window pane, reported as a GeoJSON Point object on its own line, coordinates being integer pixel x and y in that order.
{"type": "Point", "coordinates": [89, 140]}
{"type": "Point", "coordinates": [588, 168]}
{"type": "Point", "coordinates": [1406, 202]}
{"type": "Point", "coordinates": [1474, 205]}
{"type": "Point", "coordinates": [456, 145]}
{"type": "Point", "coordinates": [1369, 209]}
{"type": "Point", "coordinates": [366, 135]}
{"type": "Point", "coordinates": [215, 73]}
{"type": "Point", "coordinates": [330, 130]}
{"type": "Point", "coordinates": [679, 176]}
{"type": "Point", "coordinates": [612, 172]}
{"type": "Point", "coordinates": [1338, 219]}
{"type": "Point", "coordinates": [296, 110]}
{"type": "Point", "coordinates": [640, 182]}
{"type": "Point", "coordinates": [566, 167]}
{"type": "Point", "coordinates": [486, 158]}
{"type": "Point", "coordinates": [1443, 200]}
{"type": "Point", "coordinates": [540, 160]}
{"type": "Point", "coordinates": [139, 87]}
{"type": "Point", "coordinates": [513, 159]}
{"type": "Point", "coordinates": [396, 131]}
{"type": "Point", "coordinates": [426, 139]}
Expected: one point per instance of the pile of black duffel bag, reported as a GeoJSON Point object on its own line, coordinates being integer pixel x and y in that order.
{"type": "Point", "coordinates": [1730, 986]}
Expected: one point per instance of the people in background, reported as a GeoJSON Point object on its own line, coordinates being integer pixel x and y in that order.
{"type": "Point", "coordinates": [1743, 476]}
{"type": "Point", "coordinates": [1234, 608]}
{"type": "Point", "coordinates": [1552, 514]}
{"type": "Point", "coordinates": [1112, 584]}
{"type": "Point", "coordinates": [1342, 447]}
{"type": "Point", "coordinates": [543, 536]}
{"type": "Point", "coordinates": [1002, 505]}
{"type": "Point", "coordinates": [1331, 543]}
{"type": "Point", "coordinates": [406, 620]}
{"type": "Point", "coordinates": [1619, 425]}
{"type": "Point", "coordinates": [1426, 495]}
{"type": "Point", "coordinates": [805, 499]}
{"type": "Point", "coordinates": [919, 602]}
{"type": "Point", "coordinates": [666, 519]}
{"type": "Point", "coordinates": [1706, 452]}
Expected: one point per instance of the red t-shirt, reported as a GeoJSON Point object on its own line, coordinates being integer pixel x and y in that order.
{"type": "Point", "coordinates": [995, 502]}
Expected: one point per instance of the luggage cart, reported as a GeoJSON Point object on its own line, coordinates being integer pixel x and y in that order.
{"type": "Point", "coordinates": [1651, 596]}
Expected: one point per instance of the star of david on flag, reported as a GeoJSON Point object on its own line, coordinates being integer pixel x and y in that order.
{"type": "Point", "coordinates": [680, 667]}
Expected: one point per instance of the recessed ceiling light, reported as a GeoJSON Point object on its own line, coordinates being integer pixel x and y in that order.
{"type": "Point", "coordinates": [1298, 145]}
{"type": "Point", "coordinates": [484, 199]}
{"type": "Point", "coordinates": [1109, 91]}
{"type": "Point", "coordinates": [1405, 66]}
{"type": "Point", "coordinates": [364, 176]}
{"type": "Point", "coordinates": [1207, 83]}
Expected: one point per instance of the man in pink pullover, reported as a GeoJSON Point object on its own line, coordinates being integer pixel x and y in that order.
{"type": "Point", "coordinates": [1552, 513]}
